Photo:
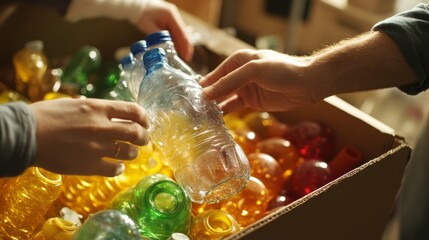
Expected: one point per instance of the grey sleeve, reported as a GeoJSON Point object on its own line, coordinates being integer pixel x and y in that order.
{"type": "Point", "coordinates": [410, 30]}
{"type": "Point", "coordinates": [17, 138]}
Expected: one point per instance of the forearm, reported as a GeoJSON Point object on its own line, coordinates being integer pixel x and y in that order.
{"type": "Point", "coordinates": [370, 61]}
{"type": "Point", "coordinates": [17, 138]}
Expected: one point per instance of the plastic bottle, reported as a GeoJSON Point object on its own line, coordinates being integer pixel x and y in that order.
{"type": "Point", "coordinates": [99, 196]}
{"type": "Point", "coordinates": [75, 77]}
{"type": "Point", "coordinates": [249, 205]}
{"type": "Point", "coordinates": [213, 224]}
{"type": "Point", "coordinates": [25, 201]}
{"type": "Point", "coordinates": [268, 170]}
{"type": "Point", "coordinates": [30, 66]}
{"type": "Point", "coordinates": [108, 76]}
{"type": "Point", "coordinates": [345, 160]}
{"type": "Point", "coordinates": [12, 96]}
{"type": "Point", "coordinates": [161, 207]}
{"type": "Point", "coordinates": [283, 151]}
{"type": "Point", "coordinates": [190, 132]}
{"type": "Point", "coordinates": [124, 89]}
{"type": "Point", "coordinates": [309, 175]}
{"type": "Point", "coordinates": [163, 40]}
{"type": "Point", "coordinates": [108, 224]}
{"type": "Point", "coordinates": [313, 139]}
{"type": "Point", "coordinates": [138, 49]}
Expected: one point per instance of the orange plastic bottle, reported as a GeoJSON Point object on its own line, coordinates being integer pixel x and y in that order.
{"type": "Point", "coordinates": [248, 205]}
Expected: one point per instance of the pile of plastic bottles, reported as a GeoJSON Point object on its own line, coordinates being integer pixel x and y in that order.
{"type": "Point", "coordinates": [157, 196]}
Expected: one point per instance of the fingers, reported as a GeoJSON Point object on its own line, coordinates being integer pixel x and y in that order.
{"type": "Point", "coordinates": [229, 65]}
{"type": "Point", "coordinates": [233, 104]}
{"type": "Point", "coordinates": [127, 132]}
{"type": "Point", "coordinates": [177, 28]}
{"type": "Point", "coordinates": [101, 167]}
{"type": "Point", "coordinates": [124, 151]}
{"type": "Point", "coordinates": [232, 82]}
{"type": "Point", "coordinates": [127, 111]}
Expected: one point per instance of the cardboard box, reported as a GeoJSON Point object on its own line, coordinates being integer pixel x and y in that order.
{"type": "Point", "coordinates": [355, 206]}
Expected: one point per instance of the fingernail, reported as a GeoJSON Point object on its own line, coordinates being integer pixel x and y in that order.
{"type": "Point", "coordinates": [120, 169]}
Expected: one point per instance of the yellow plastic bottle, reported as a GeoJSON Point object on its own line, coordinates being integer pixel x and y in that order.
{"type": "Point", "coordinates": [30, 66]}
{"type": "Point", "coordinates": [213, 224]}
{"type": "Point", "coordinates": [25, 201]}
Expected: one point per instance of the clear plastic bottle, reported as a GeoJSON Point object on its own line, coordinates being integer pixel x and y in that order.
{"type": "Point", "coordinates": [190, 132]}
{"type": "Point", "coordinates": [160, 207]}
{"type": "Point", "coordinates": [30, 66]}
{"type": "Point", "coordinates": [138, 49]}
{"type": "Point", "coordinates": [125, 89]}
{"type": "Point", "coordinates": [163, 40]}
{"type": "Point", "coordinates": [25, 201]}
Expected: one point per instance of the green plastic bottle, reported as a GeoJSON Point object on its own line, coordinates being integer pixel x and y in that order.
{"type": "Point", "coordinates": [161, 207]}
{"type": "Point", "coordinates": [76, 74]}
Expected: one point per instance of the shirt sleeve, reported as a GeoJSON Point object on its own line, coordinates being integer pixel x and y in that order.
{"type": "Point", "coordinates": [17, 138]}
{"type": "Point", "coordinates": [410, 30]}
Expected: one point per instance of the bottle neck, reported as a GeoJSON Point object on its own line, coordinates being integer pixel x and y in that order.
{"type": "Point", "coordinates": [166, 199]}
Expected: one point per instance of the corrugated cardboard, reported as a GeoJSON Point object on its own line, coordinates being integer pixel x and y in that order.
{"type": "Point", "coordinates": [355, 206]}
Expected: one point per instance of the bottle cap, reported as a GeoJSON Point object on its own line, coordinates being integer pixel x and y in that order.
{"type": "Point", "coordinates": [35, 45]}
{"type": "Point", "coordinates": [138, 47]}
{"type": "Point", "coordinates": [127, 60]}
{"type": "Point", "coordinates": [154, 56]}
{"type": "Point", "coordinates": [158, 38]}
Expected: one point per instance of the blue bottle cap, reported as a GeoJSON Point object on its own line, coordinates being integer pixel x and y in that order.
{"type": "Point", "coordinates": [154, 56]}
{"type": "Point", "coordinates": [138, 47]}
{"type": "Point", "coordinates": [158, 38]}
{"type": "Point", "coordinates": [127, 60]}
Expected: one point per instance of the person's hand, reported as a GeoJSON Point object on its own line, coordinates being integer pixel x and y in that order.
{"type": "Point", "coordinates": [259, 79]}
{"type": "Point", "coordinates": [74, 136]}
{"type": "Point", "coordinates": [160, 15]}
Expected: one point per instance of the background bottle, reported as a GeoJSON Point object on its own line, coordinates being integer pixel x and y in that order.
{"type": "Point", "coordinates": [124, 89]}
{"type": "Point", "coordinates": [190, 132]}
{"type": "Point", "coordinates": [163, 40]}
{"type": "Point", "coordinates": [138, 49]}
{"type": "Point", "coordinates": [249, 205]}
{"type": "Point", "coordinates": [268, 170]}
{"type": "Point", "coordinates": [108, 224]}
{"type": "Point", "coordinates": [30, 65]}
{"type": "Point", "coordinates": [161, 207]}
{"type": "Point", "coordinates": [25, 201]}
{"type": "Point", "coordinates": [345, 160]}
{"type": "Point", "coordinates": [75, 77]}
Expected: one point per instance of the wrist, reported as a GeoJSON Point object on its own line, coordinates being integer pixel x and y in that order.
{"type": "Point", "coordinates": [320, 78]}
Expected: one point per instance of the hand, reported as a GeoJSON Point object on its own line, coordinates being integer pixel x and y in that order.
{"type": "Point", "coordinates": [259, 79]}
{"type": "Point", "coordinates": [74, 135]}
{"type": "Point", "coordinates": [160, 15]}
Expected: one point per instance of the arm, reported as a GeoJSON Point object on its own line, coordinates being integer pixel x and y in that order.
{"type": "Point", "coordinates": [266, 80]}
